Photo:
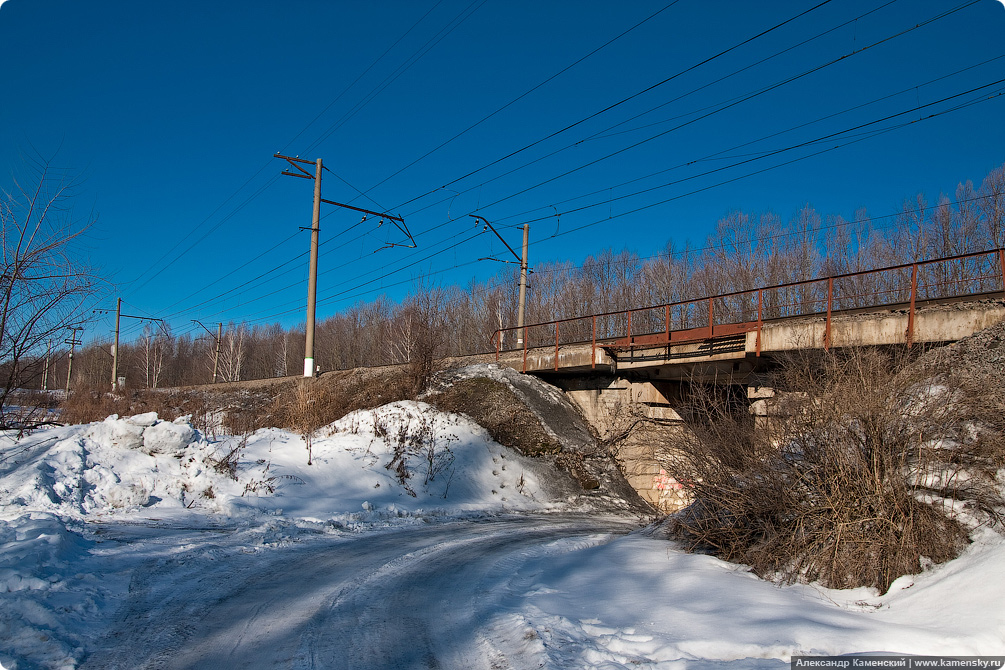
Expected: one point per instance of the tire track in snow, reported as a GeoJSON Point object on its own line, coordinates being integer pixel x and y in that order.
{"type": "Point", "coordinates": [411, 598]}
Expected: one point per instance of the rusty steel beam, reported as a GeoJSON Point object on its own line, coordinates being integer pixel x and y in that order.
{"type": "Point", "coordinates": [760, 322]}
{"type": "Point", "coordinates": [830, 301]}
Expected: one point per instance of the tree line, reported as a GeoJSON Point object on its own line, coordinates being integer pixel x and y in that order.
{"type": "Point", "coordinates": [746, 250]}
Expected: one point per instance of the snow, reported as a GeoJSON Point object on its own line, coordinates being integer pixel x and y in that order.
{"type": "Point", "coordinates": [135, 530]}
{"type": "Point", "coordinates": [654, 606]}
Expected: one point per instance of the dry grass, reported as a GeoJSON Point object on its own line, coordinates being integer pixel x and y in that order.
{"type": "Point", "coordinates": [87, 405]}
{"type": "Point", "coordinates": [492, 405]}
{"type": "Point", "coordinates": [242, 409]}
{"type": "Point", "coordinates": [236, 412]}
{"type": "Point", "coordinates": [859, 479]}
{"type": "Point", "coordinates": [310, 404]}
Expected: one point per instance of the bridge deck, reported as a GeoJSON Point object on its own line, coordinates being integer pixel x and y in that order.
{"type": "Point", "coordinates": [931, 321]}
{"type": "Point", "coordinates": [900, 304]}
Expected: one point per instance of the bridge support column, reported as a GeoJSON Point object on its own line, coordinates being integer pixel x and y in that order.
{"type": "Point", "coordinates": [630, 415]}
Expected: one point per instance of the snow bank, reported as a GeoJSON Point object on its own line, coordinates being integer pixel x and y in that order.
{"type": "Point", "coordinates": [636, 603]}
{"type": "Point", "coordinates": [115, 467]}
{"type": "Point", "coordinates": [404, 458]}
{"type": "Point", "coordinates": [43, 598]}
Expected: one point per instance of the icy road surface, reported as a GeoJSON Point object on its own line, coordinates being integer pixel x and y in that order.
{"type": "Point", "coordinates": [425, 597]}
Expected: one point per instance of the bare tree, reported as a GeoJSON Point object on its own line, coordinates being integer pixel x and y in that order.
{"type": "Point", "coordinates": [232, 352]}
{"type": "Point", "coordinates": [43, 284]}
{"type": "Point", "coordinates": [155, 346]}
{"type": "Point", "coordinates": [992, 205]}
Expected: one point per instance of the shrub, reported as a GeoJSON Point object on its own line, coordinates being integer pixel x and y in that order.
{"type": "Point", "coordinates": [867, 472]}
{"type": "Point", "coordinates": [85, 405]}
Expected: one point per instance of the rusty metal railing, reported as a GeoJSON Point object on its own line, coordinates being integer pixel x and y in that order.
{"type": "Point", "coordinates": [746, 311]}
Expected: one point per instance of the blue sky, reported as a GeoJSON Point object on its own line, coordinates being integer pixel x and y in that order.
{"type": "Point", "coordinates": [171, 114]}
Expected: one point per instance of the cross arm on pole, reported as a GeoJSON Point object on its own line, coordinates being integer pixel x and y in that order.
{"type": "Point", "coordinates": [398, 222]}
{"type": "Point", "coordinates": [205, 328]}
{"type": "Point", "coordinates": [384, 215]}
{"type": "Point", "coordinates": [485, 221]}
{"type": "Point", "coordinates": [127, 316]}
{"type": "Point", "coordinates": [293, 161]}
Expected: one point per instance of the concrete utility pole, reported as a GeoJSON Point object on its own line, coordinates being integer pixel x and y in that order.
{"type": "Point", "coordinates": [312, 281]}
{"type": "Point", "coordinates": [218, 338]}
{"type": "Point", "coordinates": [73, 342]}
{"type": "Point", "coordinates": [312, 275]}
{"type": "Point", "coordinates": [216, 357]}
{"type": "Point", "coordinates": [115, 347]}
{"type": "Point", "coordinates": [523, 286]}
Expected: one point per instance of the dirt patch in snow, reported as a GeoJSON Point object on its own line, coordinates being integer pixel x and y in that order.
{"type": "Point", "coordinates": [495, 407]}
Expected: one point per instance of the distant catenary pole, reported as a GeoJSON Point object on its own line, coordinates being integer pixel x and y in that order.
{"type": "Point", "coordinates": [115, 347]}
{"type": "Point", "coordinates": [216, 358]}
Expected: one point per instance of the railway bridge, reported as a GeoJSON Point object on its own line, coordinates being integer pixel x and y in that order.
{"type": "Point", "coordinates": [643, 359]}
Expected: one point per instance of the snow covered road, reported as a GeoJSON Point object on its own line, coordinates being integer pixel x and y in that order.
{"type": "Point", "coordinates": [422, 597]}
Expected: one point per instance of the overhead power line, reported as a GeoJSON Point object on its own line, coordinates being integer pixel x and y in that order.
{"type": "Point", "coordinates": [181, 241]}
{"type": "Point", "coordinates": [347, 291]}
{"type": "Point", "coordinates": [192, 232]}
{"type": "Point", "coordinates": [524, 95]}
{"type": "Point", "coordinates": [730, 105]}
{"type": "Point", "coordinates": [763, 156]}
{"type": "Point", "coordinates": [774, 152]}
{"type": "Point", "coordinates": [773, 167]}
{"type": "Point", "coordinates": [412, 60]}
{"type": "Point", "coordinates": [748, 143]}
{"type": "Point", "coordinates": [360, 76]}
{"type": "Point", "coordinates": [650, 17]}
{"type": "Point", "coordinates": [594, 114]}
